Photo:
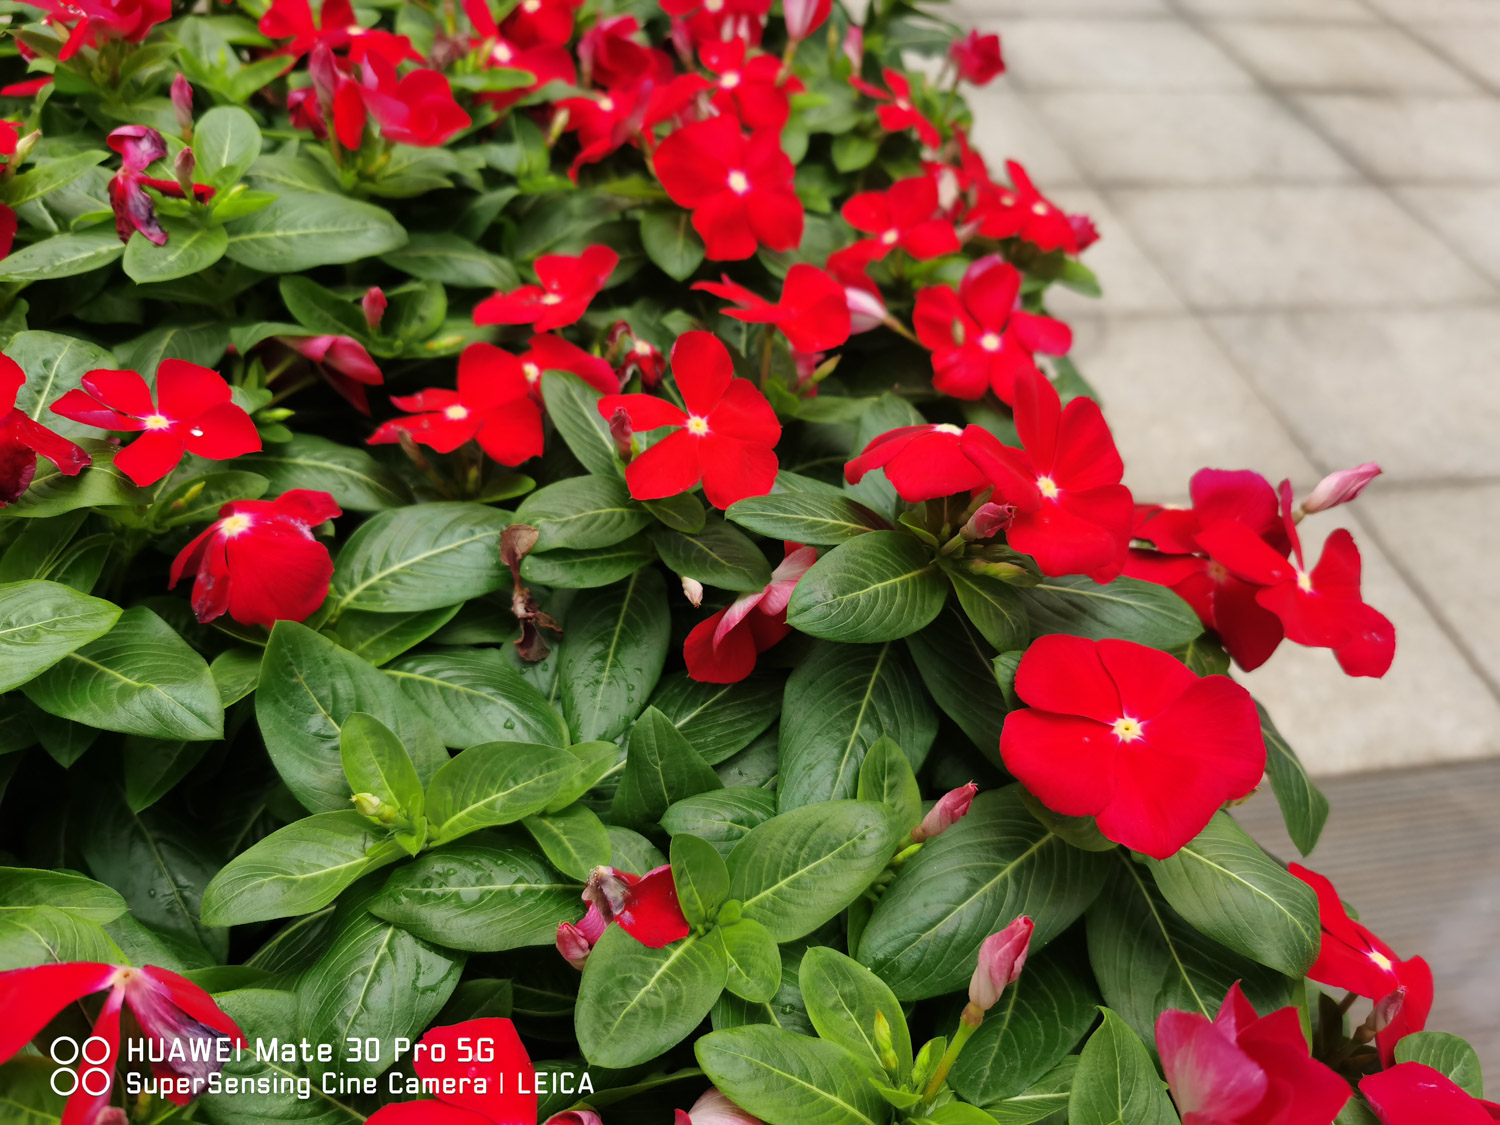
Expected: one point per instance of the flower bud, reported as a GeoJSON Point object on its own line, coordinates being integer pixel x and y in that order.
{"type": "Point", "coordinates": [112, 1115]}
{"type": "Point", "coordinates": [988, 521]}
{"type": "Point", "coordinates": [693, 590]}
{"type": "Point", "coordinates": [884, 1046]}
{"type": "Point", "coordinates": [619, 429]}
{"type": "Point", "coordinates": [977, 57]}
{"type": "Point", "coordinates": [1387, 1008]}
{"type": "Point", "coordinates": [1340, 487]}
{"type": "Point", "coordinates": [367, 804]}
{"type": "Point", "coordinates": [182, 169]}
{"type": "Point", "coordinates": [1001, 958]}
{"type": "Point", "coordinates": [189, 496]}
{"type": "Point", "coordinates": [576, 1117]}
{"type": "Point", "coordinates": [23, 149]}
{"type": "Point", "coordinates": [1084, 231]}
{"type": "Point", "coordinates": [803, 17]}
{"type": "Point", "coordinates": [951, 807]}
{"type": "Point", "coordinates": [866, 309]}
{"type": "Point", "coordinates": [182, 103]}
{"type": "Point", "coordinates": [573, 945]}
{"type": "Point", "coordinates": [854, 46]}
{"type": "Point", "coordinates": [713, 1108]}
{"type": "Point", "coordinates": [373, 304]}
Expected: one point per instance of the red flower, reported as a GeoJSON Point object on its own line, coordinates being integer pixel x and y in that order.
{"type": "Point", "coordinates": [540, 23]}
{"type": "Point", "coordinates": [294, 20]}
{"type": "Point", "coordinates": [722, 649]}
{"type": "Point", "coordinates": [259, 560]}
{"type": "Point", "coordinates": [609, 53]}
{"type": "Point", "coordinates": [726, 438]}
{"type": "Point", "coordinates": [1072, 513]}
{"type": "Point", "coordinates": [903, 216]}
{"type": "Point", "coordinates": [1351, 957]}
{"type": "Point", "coordinates": [803, 17]}
{"type": "Point", "coordinates": [568, 284]}
{"type": "Point", "coordinates": [415, 110]}
{"type": "Point", "coordinates": [22, 439]}
{"type": "Point", "coordinates": [645, 906]}
{"type": "Point", "coordinates": [94, 22]}
{"type": "Point", "coordinates": [1321, 608]}
{"type": "Point", "coordinates": [921, 462]}
{"type": "Point", "coordinates": [1243, 1069]}
{"type": "Point", "coordinates": [709, 21]}
{"type": "Point", "coordinates": [1023, 212]}
{"type": "Point", "coordinates": [977, 58]}
{"type": "Point", "coordinates": [192, 414]}
{"type": "Point", "coordinates": [493, 405]}
{"type": "Point", "coordinates": [738, 188]}
{"type": "Point", "coordinates": [753, 91]}
{"type": "Point", "coordinates": [980, 340]}
{"type": "Point", "coordinates": [139, 147]}
{"type": "Point", "coordinates": [639, 356]}
{"type": "Point", "coordinates": [545, 64]}
{"type": "Point", "coordinates": [1412, 1093]}
{"type": "Point", "coordinates": [27, 88]}
{"type": "Point", "coordinates": [1223, 601]}
{"type": "Point", "coordinates": [813, 312]}
{"type": "Point", "coordinates": [553, 353]}
{"type": "Point", "coordinates": [898, 113]}
{"type": "Point", "coordinates": [461, 1060]}
{"type": "Point", "coordinates": [181, 1021]}
{"type": "Point", "coordinates": [1128, 735]}
{"type": "Point", "coordinates": [344, 362]}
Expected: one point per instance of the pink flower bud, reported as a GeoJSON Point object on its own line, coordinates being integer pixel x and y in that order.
{"type": "Point", "coordinates": [866, 309]}
{"type": "Point", "coordinates": [988, 521]}
{"type": "Point", "coordinates": [373, 305]}
{"type": "Point", "coordinates": [713, 1108]}
{"type": "Point", "coordinates": [803, 17]}
{"type": "Point", "coordinates": [182, 168]}
{"type": "Point", "coordinates": [619, 429]}
{"type": "Point", "coordinates": [1001, 958]}
{"type": "Point", "coordinates": [1387, 1008]}
{"type": "Point", "coordinates": [951, 807]}
{"type": "Point", "coordinates": [1340, 487]}
{"type": "Point", "coordinates": [182, 103]}
{"type": "Point", "coordinates": [575, 1117]}
{"type": "Point", "coordinates": [693, 590]}
{"type": "Point", "coordinates": [572, 944]}
{"type": "Point", "coordinates": [1084, 231]}
{"type": "Point", "coordinates": [977, 57]}
{"type": "Point", "coordinates": [854, 46]}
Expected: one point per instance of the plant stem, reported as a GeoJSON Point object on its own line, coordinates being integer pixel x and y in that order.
{"type": "Point", "coordinates": [967, 1024]}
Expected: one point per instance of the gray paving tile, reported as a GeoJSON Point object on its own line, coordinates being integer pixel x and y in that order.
{"type": "Point", "coordinates": [1280, 247]}
{"type": "Point", "coordinates": [1007, 128]}
{"type": "Point", "coordinates": [1475, 12]}
{"type": "Point", "coordinates": [1175, 405]}
{"type": "Point", "coordinates": [1413, 139]}
{"type": "Point", "coordinates": [1110, 9]}
{"type": "Point", "coordinates": [1414, 390]}
{"type": "Point", "coordinates": [1477, 48]}
{"type": "Point", "coordinates": [1209, 138]}
{"type": "Point", "coordinates": [1131, 283]}
{"type": "Point", "coordinates": [1430, 707]}
{"type": "Point", "coordinates": [1447, 539]}
{"type": "Point", "coordinates": [1137, 54]}
{"type": "Point", "coordinates": [1468, 217]}
{"type": "Point", "coordinates": [1319, 57]}
{"type": "Point", "coordinates": [1318, 11]}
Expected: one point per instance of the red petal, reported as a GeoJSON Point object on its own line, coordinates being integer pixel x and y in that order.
{"type": "Point", "coordinates": [931, 239]}
{"type": "Point", "coordinates": [308, 507]}
{"type": "Point", "coordinates": [1067, 762]}
{"type": "Point", "coordinates": [818, 310]}
{"type": "Point", "coordinates": [913, 201]}
{"type": "Point", "coordinates": [930, 465]}
{"type": "Point", "coordinates": [1148, 680]}
{"type": "Point", "coordinates": [1086, 456]}
{"type": "Point", "coordinates": [1038, 413]}
{"type": "Point", "coordinates": [124, 391]}
{"type": "Point", "coordinates": [728, 662]}
{"type": "Point", "coordinates": [1208, 1074]}
{"type": "Point", "coordinates": [734, 470]}
{"type": "Point", "coordinates": [1240, 549]}
{"type": "Point", "coordinates": [776, 217]}
{"type": "Point", "coordinates": [666, 469]}
{"type": "Point", "coordinates": [518, 307]}
{"type": "Point", "coordinates": [274, 572]}
{"type": "Point", "coordinates": [489, 377]}
{"type": "Point", "coordinates": [425, 1112]}
{"type": "Point", "coordinates": [646, 412]}
{"type": "Point", "coordinates": [1249, 631]}
{"type": "Point", "coordinates": [513, 434]}
{"type": "Point", "coordinates": [188, 998]}
{"type": "Point", "coordinates": [1221, 494]}
{"type": "Point", "coordinates": [1079, 533]}
{"type": "Point", "coordinates": [184, 390]}
{"type": "Point", "coordinates": [70, 459]}
{"type": "Point", "coordinates": [11, 380]}
{"type": "Point", "coordinates": [723, 222]}
{"type": "Point", "coordinates": [1372, 647]}
{"type": "Point", "coordinates": [989, 289]}
{"type": "Point", "coordinates": [507, 1070]}
{"type": "Point", "coordinates": [31, 997]}
{"type": "Point", "coordinates": [79, 406]}
{"type": "Point", "coordinates": [349, 115]}
{"type": "Point", "coordinates": [703, 369]}
{"type": "Point", "coordinates": [744, 414]}
{"type": "Point", "coordinates": [1066, 675]}
{"type": "Point", "coordinates": [222, 432]}
{"type": "Point", "coordinates": [84, 1108]}
{"type": "Point", "coordinates": [693, 163]}
{"type": "Point", "coordinates": [151, 456]}
{"type": "Point", "coordinates": [868, 211]}
{"type": "Point", "coordinates": [1413, 1094]}
{"type": "Point", "coordinates": [652, 915]}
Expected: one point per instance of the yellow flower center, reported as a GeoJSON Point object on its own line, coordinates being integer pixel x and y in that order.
{"type": "Point", "coordinates": [551, 299]}
{"type": "Point", "coordinates": [531, 371]}
{"type": "Point", "coordinates": [1127, 729]}
{"type": "Point", "coordinates": [607, 104]}
{"type": "Point", "coordinates": [739, 183]}
{"type": "Point", "coordinates": [531, 6]}
{"type": "Point", "coordinates": [642, 348]}
{"type": "Point", "coordinates": [1381, 960]}
{"type": "Point", "coordinates": [234, 525]}
{"type": "Point", "coordinates": [1304, 581]}
{"type": "Point", "coordinates": [889, 237]}
{"type": "Point", "coordinates": [157, 422]}
{"type": "Point", "coordinates": [456, 413]}
{"type": "Point", "coordinates": [729, 81]}
{"type": "Point", "coordinates": [1039, 209]}
{"type": "Point", "coordinates": [990, 342]}
{"type": "Point", "coordinates": [1048, 487]}
{"type": "Point", "coordinates": [697, 425]}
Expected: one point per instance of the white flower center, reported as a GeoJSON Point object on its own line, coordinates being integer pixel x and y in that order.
{"type": "Point", "coordinates": [902, 103]}
{"type": "Point", "coordinates": [1006, 199]}
{"type": "Point", "coordinates": [456, 413]}
{"type": "Point", "coordinates": [947, 428]}
{"type": "Point", "coordinates": [697, 425]}
{"type": "Point", "coordinates": [1039, 209]}
{"type": "Point", "coordinates": [739, 183]}
{"type": "Point", "coordinates": [890, 237]}
{"type": "Point", "coordinates": [1381, 960]}
{"type": "Point", "coordinates": [642, 348]}
{"type": "Point", "coordinates": [714, 6]}
{"type": "Point", "coordinates": [1304, 581]}
{"type": "Point", "coordinates": [607, 104]}
{"type": "Point", "coordinates": [990, 342]}
{"type": "Point", "coordinates": [531, 7]}
{"type": "Point", "coordinates": [502, 53]}
{"type": "Point", "coordinates": [1127, 729]}
{"type": "Point", "coordinates": [729, 81]}
{"type": "Point", "coordinates": [531, 371]}
{"type": "Point", "coordinates": [235, 525]}
{"type": "Point", "coordinates": [551, 299]}
{"type": "Point", "coordinates": [1048, 487]}
{"type": "Point", "coordinates": [157, 422]}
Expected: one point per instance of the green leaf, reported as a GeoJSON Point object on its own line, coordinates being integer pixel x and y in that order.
{"type": "Point", "coordinates": [720, 555]}
{"type": "Point", "coordinates": [42, 622]}
{"type": "Point", "coordinates": [308, 687]}
{"type": "Point", "coordinates": [876, 587]}
{"type": "Point", "coordinates": [587, 512]}
{"type": "Point", "coordinates": [719, 719]}
{"type": "Point", "coordinates": [588, 569]}
{"type": "Point", "coordinates": [54, 364]}
{"type": "Point", "coordinates": [453, 260]}
{"type": "Point", "coordinates": [754, 960]}
{"type": "Point", "coordinates": [800, 517]}
{"type": "Point", "coordinates": [191, 248]}
{"type": "Point", "coordinates": [957, 665]}
{"type": "Point", "coordinates": [139, 678]}
{"type": "Point", "coordinates": [595, 760]}
{"type": "Point", "coordinates": [616, 646]}
{"type": "Point", "coordinates": [44, 935]}
{"type": "Point", "coordinates": [701, 879]}
{"type": "Point", "coordinates": [993, 865]}
{"type": "Point", "coordinates": [789, 1079]}
{"type": "Point", "coordinates": [375, 762]}
{"type": "Point", "coordinates": [355, 480]}
{"type": "Point", "coordinates": [799, 869]}
{"type": "Point", "coordinates": [26, 1091]}
{"type": "Point", "coordinates": [843, 998]}
{"type": "Point", "coordinates": [483, 896]}
{"type": "Point", "coordinates": [573, 406]}
{"type": "Point", "coordinates": [660, 767]}
{"type": "Point", "coordinates": [683, 512]}
{"type": "Point", "coordinates": [319, 309]}
{"type": "Point", "coordinates": [154, 766]}
{"type": "Point", "coordinates": [723, 817]}
{"type": "Point", "coordinates": [1038, 1021]}
{"type": "Point", "coordinates": [1303, 805]}
{"type": "Point", "coordinates": [1447, 1054]}
{"type": "Point", "coordinates": [100, 486]}
{"type": "Point", "coordinates": [853, 151]}
{"type": "Point", "coordinates": [421, 557]}
{"type": "Point", "coordinates": [671, 242]}
{"type": "Point", "coordinates": [64, 255]}
{"type": "Point", "coordinates": [476, 695]}
{"type": "Point", "coordinates": [1126, 608]}
{"type": "Point", "coordinates": [375, 982]}
{"type": "Point", "coordinates": [886, 777]}
{"type": "Point", "coordinates": [302, 230]}
{"type": "Point", "coordinates": [994, 607]}
{"type": "Point", "coordinates": [1225, 885]}
{"type": "Point", "coordinates": [1045, 1102]}
{"type": "Point", "coordinates": [1116, 1081]}
{"type": "Point", "coordinates": [297, 869]}
{"type": "Point", "coordinates": [24, 887]}
{"type": "Point", "coordinates": [379, 638]}
{"type": "Point", "coordinates": [209, 493]}
{"type": "Point", "coordinates": [226, 141]}
{"type": "Point", "coordinates": [48, 177]}
{"type": "Point", "coordinates": [635, 1002]}
{"type": "Point", "coordinates": [492, 784]}
{"type": "Point", "coordinates": [839, 700]}
{"type": "Point", "coordinates": [574, 839]}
